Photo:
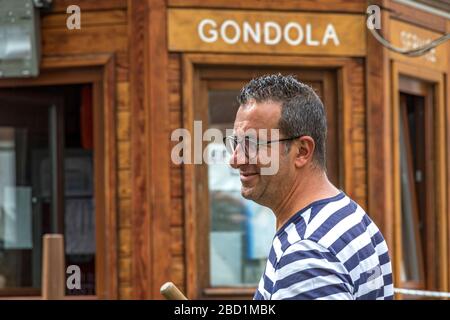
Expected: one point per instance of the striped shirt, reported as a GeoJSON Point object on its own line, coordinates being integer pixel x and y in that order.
{"type": "Point", "coordinates": [329, 250]}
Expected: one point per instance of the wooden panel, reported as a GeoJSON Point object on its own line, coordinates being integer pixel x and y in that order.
{"type": "Point", "coordinates": [176, 217]}
{"type": "Point", "coordinates": [346, 103]}
{"type": "Point", "coordinates": [124, 183]}
{"type": "Point", "coordinates": [417, 17]}
{"type": "Point", "coordinates": [123, 95]}
{"type": "Point", "coordinates": [125, 213]}
{"type": "Point", "coordinates": [359, 196]}
{"type": "Point", "coordinates": [159, 174]}
{"type": "Point", "coordinates": [88, 39]}
{"type": "Point", "coordinates": [124, 154]}
{"type": "Point", "coordinates": [150, 147]}
{"type": "Point", "coordinates": [122, 66]}
{"type": "Point", "coordinates": [125, 240]}
{"type": "Point", "coordinates": [176, 182]}
{"type": "Point", "coordinates": [309, 5]}
{"type": "Point", "coordinates": [123, 125]}
{"type": "Point", "coordinates": [89, 19]}
{"type": "Point", "coordinates": [357, 125]}
{"type": "Point", "coordinates": [124, 271]}
{"type": "Point", "coordinates": [379, 147]}
{"type": "Point", "coordinates": [176, 244]}
{"type": "Point", "coordinates": [447, 114]}
{"type": "Point", "coordinates": [359, 149]}
{"type": "Point", "coordinates": [108, 288]}
{"type": "Point", "coordinates": [360, 175]}
{"type": "Point", "coordinates": [174, 78]}
{"type": "Point", "coordinates": [358, 132]}
{"type": "Point", "coordinates": [174, 99]}
{"type": "Point", "coordinates": [71, 75]}
{"type": "Point", "coordinates": [141, 250]}
{"type": "Point", "coordinates": [89, 5]}
{"type": "Point", "coordinates": [329, 34]}
{"type": "Point", "coordinates": [125, 293]}
{"type": "Point", "coordinates": [175, 120]}
{"type": "Point", "coordinates": [397, 252]}
{"type": "Point", "coordinates": [177, 271]}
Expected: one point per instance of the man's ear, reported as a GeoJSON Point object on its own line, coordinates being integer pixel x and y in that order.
{"type": "Point", "coordinates": [304, 150]}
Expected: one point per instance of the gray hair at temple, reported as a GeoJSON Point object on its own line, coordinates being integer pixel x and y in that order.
{"type": "Point", "coordinates": [302, 111]}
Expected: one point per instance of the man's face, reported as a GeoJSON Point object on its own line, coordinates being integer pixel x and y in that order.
{"type": "Point", "coordinates": [257, 186]}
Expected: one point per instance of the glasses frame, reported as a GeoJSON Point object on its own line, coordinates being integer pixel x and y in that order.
{"type": "Point", "coordinates": [257, 143]}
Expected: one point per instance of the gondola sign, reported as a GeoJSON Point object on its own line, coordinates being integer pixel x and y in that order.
{"type": "Point", "coordinates": [266, 32]}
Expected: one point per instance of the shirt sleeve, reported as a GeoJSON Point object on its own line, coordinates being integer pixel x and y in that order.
{"type": "Point", "coordinates": [308, 271]}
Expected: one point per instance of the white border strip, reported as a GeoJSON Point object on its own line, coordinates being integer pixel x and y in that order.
{"type": "Point", "coordinates": [423, 293]}
{"type": "Point", "coordinates": [423, 7]}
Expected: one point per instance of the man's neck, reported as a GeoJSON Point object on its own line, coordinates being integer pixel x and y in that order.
{"type": "Point", "coordinates": [313, 186]}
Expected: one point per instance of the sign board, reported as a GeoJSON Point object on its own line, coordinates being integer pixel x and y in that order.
{"type": "Point", "coordinates": [240, 31]}
{"type": "Point", "coordinates": [405, 35]}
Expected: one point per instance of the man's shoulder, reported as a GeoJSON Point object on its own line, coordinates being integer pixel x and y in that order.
{"type": "Point", "coordinates": [327, 225]}
{"type": "Point", "coordinates": [331, 216]}
{"type": "Point", "coordinates": [339, 223]}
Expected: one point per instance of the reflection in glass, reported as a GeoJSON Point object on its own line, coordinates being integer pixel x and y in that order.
{"type": "Point", "coordinates": [19, 250]}
{"type": "Point", "coordinates": [411, 122]}
{"type": "Point", "coordinates": [241, 231]}
{"type": "Point", "coordinates": [28, 189]}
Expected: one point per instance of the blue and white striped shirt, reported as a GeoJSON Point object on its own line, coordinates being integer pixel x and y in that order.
{"type": "Point", "coordinates": [329, 250]}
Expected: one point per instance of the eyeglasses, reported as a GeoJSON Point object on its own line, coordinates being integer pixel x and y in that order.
{"type": "Point", "coordinates": [249, 145]}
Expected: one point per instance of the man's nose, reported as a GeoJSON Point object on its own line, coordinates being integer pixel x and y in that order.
{"type": "Point", "coordinates": [238, 157]}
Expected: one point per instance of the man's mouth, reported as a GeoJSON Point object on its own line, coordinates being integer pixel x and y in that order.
{"type": "Point", "coordinates": [247, 176]}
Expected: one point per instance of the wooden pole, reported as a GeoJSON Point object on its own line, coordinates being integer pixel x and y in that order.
{"type": "Point", "coordinates": [53, 267]}
{"type": "Point", "coordinates": [171, 292]}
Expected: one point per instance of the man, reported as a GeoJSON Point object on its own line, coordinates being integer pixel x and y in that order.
{"type": "Point", "coordinates": [326, 246]}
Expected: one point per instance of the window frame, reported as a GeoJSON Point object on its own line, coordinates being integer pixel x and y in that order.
{"type": "Point", "coordinates": [195, 202]}
{"type": "Point", "coordinates": [435, 80]}
{"type": "Point", "coordinates": [98, 70]}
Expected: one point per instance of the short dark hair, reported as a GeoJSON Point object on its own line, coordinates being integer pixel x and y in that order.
{"type": "Point", "coordinates": [302, 111]}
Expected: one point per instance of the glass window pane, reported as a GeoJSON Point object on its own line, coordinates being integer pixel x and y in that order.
{"type": "Point", "coordinates": [241, 230]}
{"type": "Point", "coordinates": [24, 216]}
{"type": "Point", "coordinates": [409, 124]}
{"type": "Point", "coordinates": [79, 216]}
{"type": "Point", "coordinates": [26, 193]}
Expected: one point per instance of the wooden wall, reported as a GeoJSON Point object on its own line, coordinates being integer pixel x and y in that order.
{"type": "Point", "coordinates": [357, 137]}
{"type": "Point", "coordinates": [177, 271]}
{"type": "Point", "coordinates": [104, 29]}
{"type": "Point", "coordinates": [358, 168]}
{"type": "Point", "coordinates": [358, 190]}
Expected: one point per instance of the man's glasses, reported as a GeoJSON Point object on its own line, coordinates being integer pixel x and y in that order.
{"type": "Point", "coordinates": [249, 145]}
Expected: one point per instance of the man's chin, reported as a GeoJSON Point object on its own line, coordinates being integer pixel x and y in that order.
{"type": "Point", "coordinates": [248, 193]}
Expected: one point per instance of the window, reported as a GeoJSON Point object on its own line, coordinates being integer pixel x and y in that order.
{"type": "Point", "coordinates": [414, 194]}
{"type": "Point", "coordinates": [46, 183]}
{"type": "Point", "coordinates": [420, 260]}
{"type": "Point", "coordinates": [241, 231]}
{"type": "Point", "coordinates": [235, 234]}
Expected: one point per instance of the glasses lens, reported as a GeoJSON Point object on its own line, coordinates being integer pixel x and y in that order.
{"type": "Point", "coordinates": [251, 148]}
{"type": "Point", "coordinates": [230, 144]}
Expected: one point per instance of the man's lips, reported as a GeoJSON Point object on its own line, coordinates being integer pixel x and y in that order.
{"type": "Point", "coordinates": [246, 176]}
